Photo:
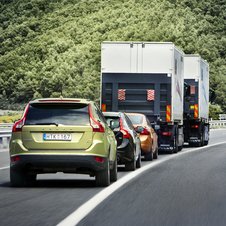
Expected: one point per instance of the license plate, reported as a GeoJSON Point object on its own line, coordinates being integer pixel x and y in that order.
{"type": "Point", "coordinates": [56, 136]}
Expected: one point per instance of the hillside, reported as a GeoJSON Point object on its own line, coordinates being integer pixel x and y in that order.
{"type": "Point", "coordinates": [44, 43]}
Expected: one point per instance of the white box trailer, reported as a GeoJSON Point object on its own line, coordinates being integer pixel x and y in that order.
{"type": "Point", "coordinates": [157, 60]}
{"type": "Point", "coordinates": [148, 78]}
{"type": "Point", "coordinates": [196, 111]}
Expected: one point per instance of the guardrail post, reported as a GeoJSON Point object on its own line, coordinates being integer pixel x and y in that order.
{"type": "Point", "coordinates": [1, 146]}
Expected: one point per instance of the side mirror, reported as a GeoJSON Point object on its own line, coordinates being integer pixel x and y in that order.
{"type": "Point", "coordinates": [212, 96]}
{"type": "Point", "coordinates": [139, 129]}
{"type": "Point", "coordinates": [114, 124]}
{"type": "Point", "coordinates": [157, 127]}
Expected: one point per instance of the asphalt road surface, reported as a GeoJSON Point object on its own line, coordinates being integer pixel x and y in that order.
{"type": "Point", "coordinates": [187, 188]}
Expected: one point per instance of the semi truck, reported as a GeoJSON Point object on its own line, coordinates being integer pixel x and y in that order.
{"type": "Point", "coordinates": [196, 101]}
{"type": "Point", "coordinates": [147, 78]}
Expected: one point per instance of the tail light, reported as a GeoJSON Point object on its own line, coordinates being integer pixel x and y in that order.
{"type": "Point", "coordinates": [15, 158]}
{"type": "Point", "coordinates": [195, 126]}
{"type": "Point", "coordinates": [17, 127]}
{"type": "Point", "coordinates": [99, 159]}
{"type": "Point", "coordinates": [97, 127]}
{"type": "Point", "coordinates": [166, 133]}
{"type": "Point", "coordinates": [124, 131]}
{"type": "Point", "coordinates": [145, 132]}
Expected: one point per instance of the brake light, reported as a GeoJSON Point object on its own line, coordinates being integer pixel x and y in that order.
{"type": "Point", "coordinates": [99, 159]}
{"type": "Point", "coordinates": [17, 127]}
{"type": "Point", "coordinates": [166, 133]}
{"type": "Point", "coordinates": [195, 126]}
{"type": "Point", "coordinates": [97, 127]}
{"type": "Point", "coordinates": [124, 131]}
{"type": "Point", "coordinates": [145, 132]}
{"type": "Point", "coordinates": [15, 158]}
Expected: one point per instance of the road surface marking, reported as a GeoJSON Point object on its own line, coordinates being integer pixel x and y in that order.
{"type": "Point", "coordinates": [4, 150]}
{"type": "Point", "coordinates": [6, 167]}
{"type": "Point", "coordinates": [87, 207]}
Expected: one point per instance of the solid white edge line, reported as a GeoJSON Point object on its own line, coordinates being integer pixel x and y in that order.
{"type": "Point", "coordinates": [4, 150]}
{"type": "Point", "coordinates": [6, 167]}
{"type": "Point", "coordinates": [87, 207]}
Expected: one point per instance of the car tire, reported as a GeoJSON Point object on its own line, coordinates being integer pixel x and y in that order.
{"type": "Point", "coordinates": [131, 166]}
{"type": "Point", "coordinates": [17, 178]}
{"type": "Point", "coordinates": [103, 176]}
{"type": "Point", "coordinates": [31, 178]}
{"type": "Point", "coordinates": [138, 163]}
{"type": "Point", "coordinates": [149, 155]}
{"type": "Point", "coordinates": [156, 154]}
{"type": "Point", "coordinates": [113, 172]}
{"type": "Point", "coordinates": [180, 148]}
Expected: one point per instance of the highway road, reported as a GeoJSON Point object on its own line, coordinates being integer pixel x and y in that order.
{"type": "Point", "coordinates": [187, 188]}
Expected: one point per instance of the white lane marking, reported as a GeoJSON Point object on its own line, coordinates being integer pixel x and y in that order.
{"type": "Point", "coordinates": [87, 207]}
{"type": "Point", "coordinates": [6, 167]}
{"type": "Point", "coordinates": [4, 150]}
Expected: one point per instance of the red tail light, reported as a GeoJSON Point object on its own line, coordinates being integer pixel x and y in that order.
{"type": "Point", "coordinates": [97, 127]}
{"type": "Point", "coordinates": [17, 127]}
{"type": "Point", "coordinates": [145, 132]}
{"type": "Point", "coordinates": [195, 126]}
{"type": "Point", "coordinates": [15, 158]}
{"type": "Point", "coordinates": [99, 159]}
{"type": "Point", "coordinates": [124, 131]}
{"type": "Point", "coordinates": [166, 133]}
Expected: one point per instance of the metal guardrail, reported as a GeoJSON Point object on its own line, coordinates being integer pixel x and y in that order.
{"type": "Point", "coordinates": [217, 123]}
{"type": "Point", "coordinates": [222, 116]}
{"type": "Point", "coordinates": [5, 134]}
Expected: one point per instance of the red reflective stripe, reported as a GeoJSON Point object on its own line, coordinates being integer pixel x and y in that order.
{"type": "Point", "coordinates": [103, 107]}
{"type": "Point", "coordinates": [196, 111]}
{"type": "Point", "coordinates": [168, 113]}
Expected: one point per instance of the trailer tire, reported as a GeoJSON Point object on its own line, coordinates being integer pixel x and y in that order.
{"type": "Point", "coordinates": [180, 148]}
{"type": "Point", "coordinates": [175, 148]}
{"type": "Point", "coordinates": [202, 140]}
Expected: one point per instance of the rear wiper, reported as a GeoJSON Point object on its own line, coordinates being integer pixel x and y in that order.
{"type": "Point", "coordinates": [46, 123]}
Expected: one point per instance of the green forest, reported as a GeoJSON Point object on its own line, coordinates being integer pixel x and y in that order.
{"type": "Point", "coordinates": [46, 43]}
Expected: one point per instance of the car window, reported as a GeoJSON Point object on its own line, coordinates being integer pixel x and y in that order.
{"type": "Point", "coordinates": [129, 123]}
{"type": "Point", "coordinates": [135, 119]}
{"type": "Point", "coordinates": [66, 114]}
{"type": "Point", "coordinates": [148, 122]}
{"type": "Point", "coordinates": [99, 114]}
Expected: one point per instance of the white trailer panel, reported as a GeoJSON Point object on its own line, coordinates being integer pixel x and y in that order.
{"type": "Point", "coordinates": [148, 58]}
{"type": "Point", "coordinates": [197, 68]}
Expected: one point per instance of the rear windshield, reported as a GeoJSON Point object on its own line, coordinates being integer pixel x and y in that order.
{"type": "Point", "coordinates": [135, 119]}
{"type": "Point", "coordinates": [66, 114]}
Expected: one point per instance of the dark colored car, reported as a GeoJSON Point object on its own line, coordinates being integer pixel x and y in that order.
{"type": "Point", "coordinates": [129, 149]}
{"type": "Point", "coordinates": [62, 135]}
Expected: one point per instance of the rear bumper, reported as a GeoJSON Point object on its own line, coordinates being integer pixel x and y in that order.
{"type": "Point", "coordinates": [125, 153]}
{"type": "Point", "coordinates": [58, 163]}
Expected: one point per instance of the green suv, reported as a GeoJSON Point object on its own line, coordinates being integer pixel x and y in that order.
{"type": "Point", "coordinates": [62, 135]}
